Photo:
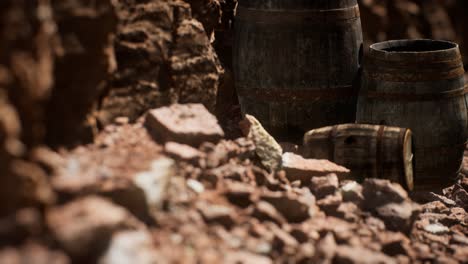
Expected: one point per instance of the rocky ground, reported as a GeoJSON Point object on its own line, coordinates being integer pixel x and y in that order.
{"type": "Point", "coordinates": [94, 167]}
{"type": "Point", "coordinates": [171, 189]}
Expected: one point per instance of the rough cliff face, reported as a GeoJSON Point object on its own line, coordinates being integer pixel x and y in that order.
{"type": "Point", "coordinates": [57, 53]}
{"type": "Point", "coordinates": [28, 44]}
{"type": "Point", "coordinates": [164, 56]}
{"type": "Point", "coordinates": [9, 142]}
{"type": "Point", "coordinates": [209, 13]}
{"type": "Point", "coordinates": [82, 66]}
{"type": "Point", "coordinates": [54, 55]}
{"type": "Point", "coordinates": [22, 181]}
{"type": "Point", "coordinates": [72, 61]}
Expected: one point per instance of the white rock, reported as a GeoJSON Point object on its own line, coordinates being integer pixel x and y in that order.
{"type": "Point", "coordinates": [195, 185]}
{"type": "Point", "coordinates": [130, 247]}
{"type": "Point", "coordinates": [350, 186]}
{"type": "Point", "coordinates": [436, 228]}
{"type": "Point", "coordinates": [155, 181]}
{"type": "Point", "coordinates": [268, 150]}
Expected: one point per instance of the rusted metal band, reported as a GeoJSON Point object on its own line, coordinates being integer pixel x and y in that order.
{"type": "Point", "coordinates": [331, 142]}
{"type": "Point", "coordinates": [379, 152]}
{"type": "Point", "coordinates": [418, 97]}
{"type": "Point", "coordinates": [273, 16]}
{"type": "Point", "coordinates": [411, 76]}
{"type": "Point", "coordinates": [415, 61]}
{"type": "Point", "coordinates": [302, 95]}
{"type": "Point", "coordinates": [416, 68]}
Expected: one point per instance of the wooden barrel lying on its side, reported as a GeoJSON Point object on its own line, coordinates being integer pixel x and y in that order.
{"type": "Point", "coordinates": [369, 151]}
{"type": "Point", "coordinates": [419, 84]}
{"type": "Point", "coordinates": [295, 63]}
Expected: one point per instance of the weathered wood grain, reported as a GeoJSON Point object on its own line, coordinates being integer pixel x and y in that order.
{"type": "Point", "coordinates": [295, 63]}
{"type": "Point", "coordinates": [369, 151]}
{"type": "Point", "coordinates": [419, 84]}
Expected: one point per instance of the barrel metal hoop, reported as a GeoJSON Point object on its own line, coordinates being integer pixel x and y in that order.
{"type": "Point", "coordinates": [416, 76]}
{"type": "Point", "coordinates": [331, 142]}
{"type": "Point", "coordinates": [414, 68]}
{"type": "Point", "coordinates": [418, 97]}
{"type": "Point", "coordinates": [379, 152]}
{"type": "Point", "coordinates": [276, 16]}
{"type": "Point", "coordinates": [297, 95]}
{"type": "Point", "coordinates": [416, 61]}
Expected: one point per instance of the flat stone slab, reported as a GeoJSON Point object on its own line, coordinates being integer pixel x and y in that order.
{"type": "Point", "coordinates": [190, 124]}
{"type": "Point", "coordinates": [299, 168]}
{"type": "Point", "coordinates": [182, 152]}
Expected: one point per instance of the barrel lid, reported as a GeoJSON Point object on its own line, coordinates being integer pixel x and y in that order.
{"type": "Point", "coordinates": [415, 50]}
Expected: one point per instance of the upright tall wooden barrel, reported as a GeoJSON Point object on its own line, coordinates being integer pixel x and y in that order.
{"type": "Point", "coordinates": [369, 151]}
{"type": "Point", "coordinates": [419, 84]}
{"type": "Point", "coordinates": [295, 62]}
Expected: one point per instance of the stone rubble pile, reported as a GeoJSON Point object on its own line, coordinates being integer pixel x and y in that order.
{"type": "Point", "coordinates": [137, 194]}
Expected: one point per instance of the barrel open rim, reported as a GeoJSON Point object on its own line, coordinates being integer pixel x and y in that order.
{"type": "Point", "coordinates": [411, 54]}
{"type": "Point", "coordinates": [414, 46]}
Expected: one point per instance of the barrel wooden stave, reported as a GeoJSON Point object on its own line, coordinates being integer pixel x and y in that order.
{"type": "Point", "coordinates": [422, 91]}
{"type": "Point", "coordinates": [298, 4]}
{"type": "Point", "coordinates": [297, 75]}
{"type": "Point", "coordinates": [369, 151]}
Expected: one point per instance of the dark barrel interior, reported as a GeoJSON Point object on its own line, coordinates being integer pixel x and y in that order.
{"type": "Point", "coordinates": [414, 46]}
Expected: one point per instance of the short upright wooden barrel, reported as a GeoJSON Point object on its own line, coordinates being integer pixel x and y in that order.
{"type": "Point", "coordinates": [369, 151]}
{"type": "Point", "coordinates": [419, 84]}
{"type": "Point", "coordinates": [295, 62]}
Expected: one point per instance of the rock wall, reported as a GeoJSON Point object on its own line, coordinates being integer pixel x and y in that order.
{"type": "Point", "coordinates": [57, 54]}
{"type": "Point", "coordinates": [54, 55]}
{"type": "Point", "coordinates": [27, 44]}
{"type": "Point", "coordinates": [164, 55]}
{"type": "Point", "coordinates": [67, 68]}
{"type": "Point", "coordinates": [209, 13]}
{"type": "Point", "coordinates": [82, 66]}
{"type": "Point", "coordinates": [22, 182]}
{"type": "Point", "coordinates": [9, 134]}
